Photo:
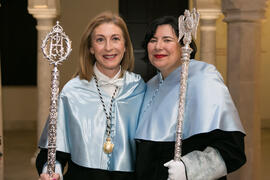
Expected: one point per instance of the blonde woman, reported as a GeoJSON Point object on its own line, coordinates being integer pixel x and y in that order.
{"type": "Point", "coordinates": [98, 108]}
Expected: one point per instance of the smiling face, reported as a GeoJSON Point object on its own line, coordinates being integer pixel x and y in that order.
{"type": "Point", "coordinates": [164, 51]}
{"type": "Point", "coordinates": [108, 47]}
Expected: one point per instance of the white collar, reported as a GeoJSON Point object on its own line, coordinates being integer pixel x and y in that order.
{"type": "Point", "coordinates": [105, 80]}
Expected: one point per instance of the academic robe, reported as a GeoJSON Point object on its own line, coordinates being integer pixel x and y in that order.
{"type": "Point", "coordinates": [81, 129]}
{"type": "Point", "coordinates": [210, 120]}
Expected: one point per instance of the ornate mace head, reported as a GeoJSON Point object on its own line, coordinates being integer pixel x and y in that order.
{"type": "Point", "coordinates": [56, 46]}
{"type": "Point", "coordinates": [188, 24]}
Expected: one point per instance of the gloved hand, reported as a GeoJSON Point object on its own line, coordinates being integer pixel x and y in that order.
{"type": "Point", "coordinates": [176, 170]}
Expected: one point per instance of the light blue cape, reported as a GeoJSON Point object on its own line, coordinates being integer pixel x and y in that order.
{"type": "Point", "coordinates": [209, 105]}
{"type": "Point", "coordinates": [81, 123]}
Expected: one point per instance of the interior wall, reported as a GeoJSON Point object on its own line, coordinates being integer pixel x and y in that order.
{"type": "Point", "coordinates": [20, 102]}
{"type": "Point", "coordinates": [265, 71]}
{"type": "Point", "coordinates": [19, 107]}
{"type": "Point", "coordinates": [221, 47]}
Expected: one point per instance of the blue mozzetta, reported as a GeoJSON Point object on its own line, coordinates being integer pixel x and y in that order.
{"type": "Point", "coordinates": [81, 123]}
{"type": "Point", "coordinates": [209, 105]}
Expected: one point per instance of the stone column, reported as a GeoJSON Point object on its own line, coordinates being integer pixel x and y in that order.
{"type": "Point", "coordinates": [209, 10]}
{"type": "Point", "coordinates": [243, 20]}
{"type": "Point", "coordinates": [45, 11]}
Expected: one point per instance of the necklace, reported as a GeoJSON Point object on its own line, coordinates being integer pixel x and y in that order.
{"type": "Point", "coordinates": [108, 145]}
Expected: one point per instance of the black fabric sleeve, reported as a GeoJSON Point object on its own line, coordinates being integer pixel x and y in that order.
{"type": "Point", "coordinates": [232, 149]}
{"type": "Point", "coordinates": [230, 145]}
{"type": "Point", "coordinates": [42, 157]}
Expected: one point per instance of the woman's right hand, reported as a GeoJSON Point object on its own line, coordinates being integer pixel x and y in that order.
{"type": "Point", "coordinates": [45, 176]}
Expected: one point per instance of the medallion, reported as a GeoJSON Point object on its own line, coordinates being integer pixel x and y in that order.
{"type": "Point", "coordinates": [108, 146]}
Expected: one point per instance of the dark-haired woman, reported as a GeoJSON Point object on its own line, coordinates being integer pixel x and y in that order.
{"type": "Point", "coordinates": [99, 108]}
{"type": "Point", "coordinates": [213, 137]}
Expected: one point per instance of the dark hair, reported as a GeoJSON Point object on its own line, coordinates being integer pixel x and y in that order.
{"type": "Point", "coordinates": [151, 30]}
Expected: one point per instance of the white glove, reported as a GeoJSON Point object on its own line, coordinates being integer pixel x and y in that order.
{"type": "Point", "coordinates": [176, 170]}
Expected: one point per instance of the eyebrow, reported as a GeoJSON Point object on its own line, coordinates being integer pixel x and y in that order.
{"type": "Point", "coordinates": [104, 35]}
{"type": "Point", "coordinates": [164, 37]}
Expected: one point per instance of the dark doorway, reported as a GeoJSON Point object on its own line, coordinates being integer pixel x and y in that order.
{"type": "Point", "coordinates": [138, 14]}
{"type": "Point", "coordinates": [18, 43]}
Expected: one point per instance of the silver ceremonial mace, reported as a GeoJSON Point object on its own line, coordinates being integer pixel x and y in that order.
{"type": "Point", "coordinates": [187, 25]}
{"type": "Point", "coordinates": [56, 47]}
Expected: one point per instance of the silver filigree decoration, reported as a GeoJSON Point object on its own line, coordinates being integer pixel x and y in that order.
{"type": "Point", "coordinates": [187, 25]}
{"type": "Point", "coordinates": [56, 47]}
{"type": "Point", "coordinates": [187, 28]}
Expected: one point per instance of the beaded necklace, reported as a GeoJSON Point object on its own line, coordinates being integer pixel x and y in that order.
{"type": "Point", "coordinates": [108, 145]}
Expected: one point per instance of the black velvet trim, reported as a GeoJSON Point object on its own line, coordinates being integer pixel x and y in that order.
{"type": "Point", "coordinates": [79, 172]}
{"type": "Point", "coordinates": [42, 158]}
{"type": "Point", "coordinates": [75, 171]}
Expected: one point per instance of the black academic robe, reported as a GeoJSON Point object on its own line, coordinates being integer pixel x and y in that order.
{"type": "Point", "coordinates": [75, 171]}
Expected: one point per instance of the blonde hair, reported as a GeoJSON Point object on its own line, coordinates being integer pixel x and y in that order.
{"type": "Point", "coordinates": [87, 60]}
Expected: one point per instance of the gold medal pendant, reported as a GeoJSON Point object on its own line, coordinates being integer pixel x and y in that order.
{"type": "Point", "coordinates": [108, 146]}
